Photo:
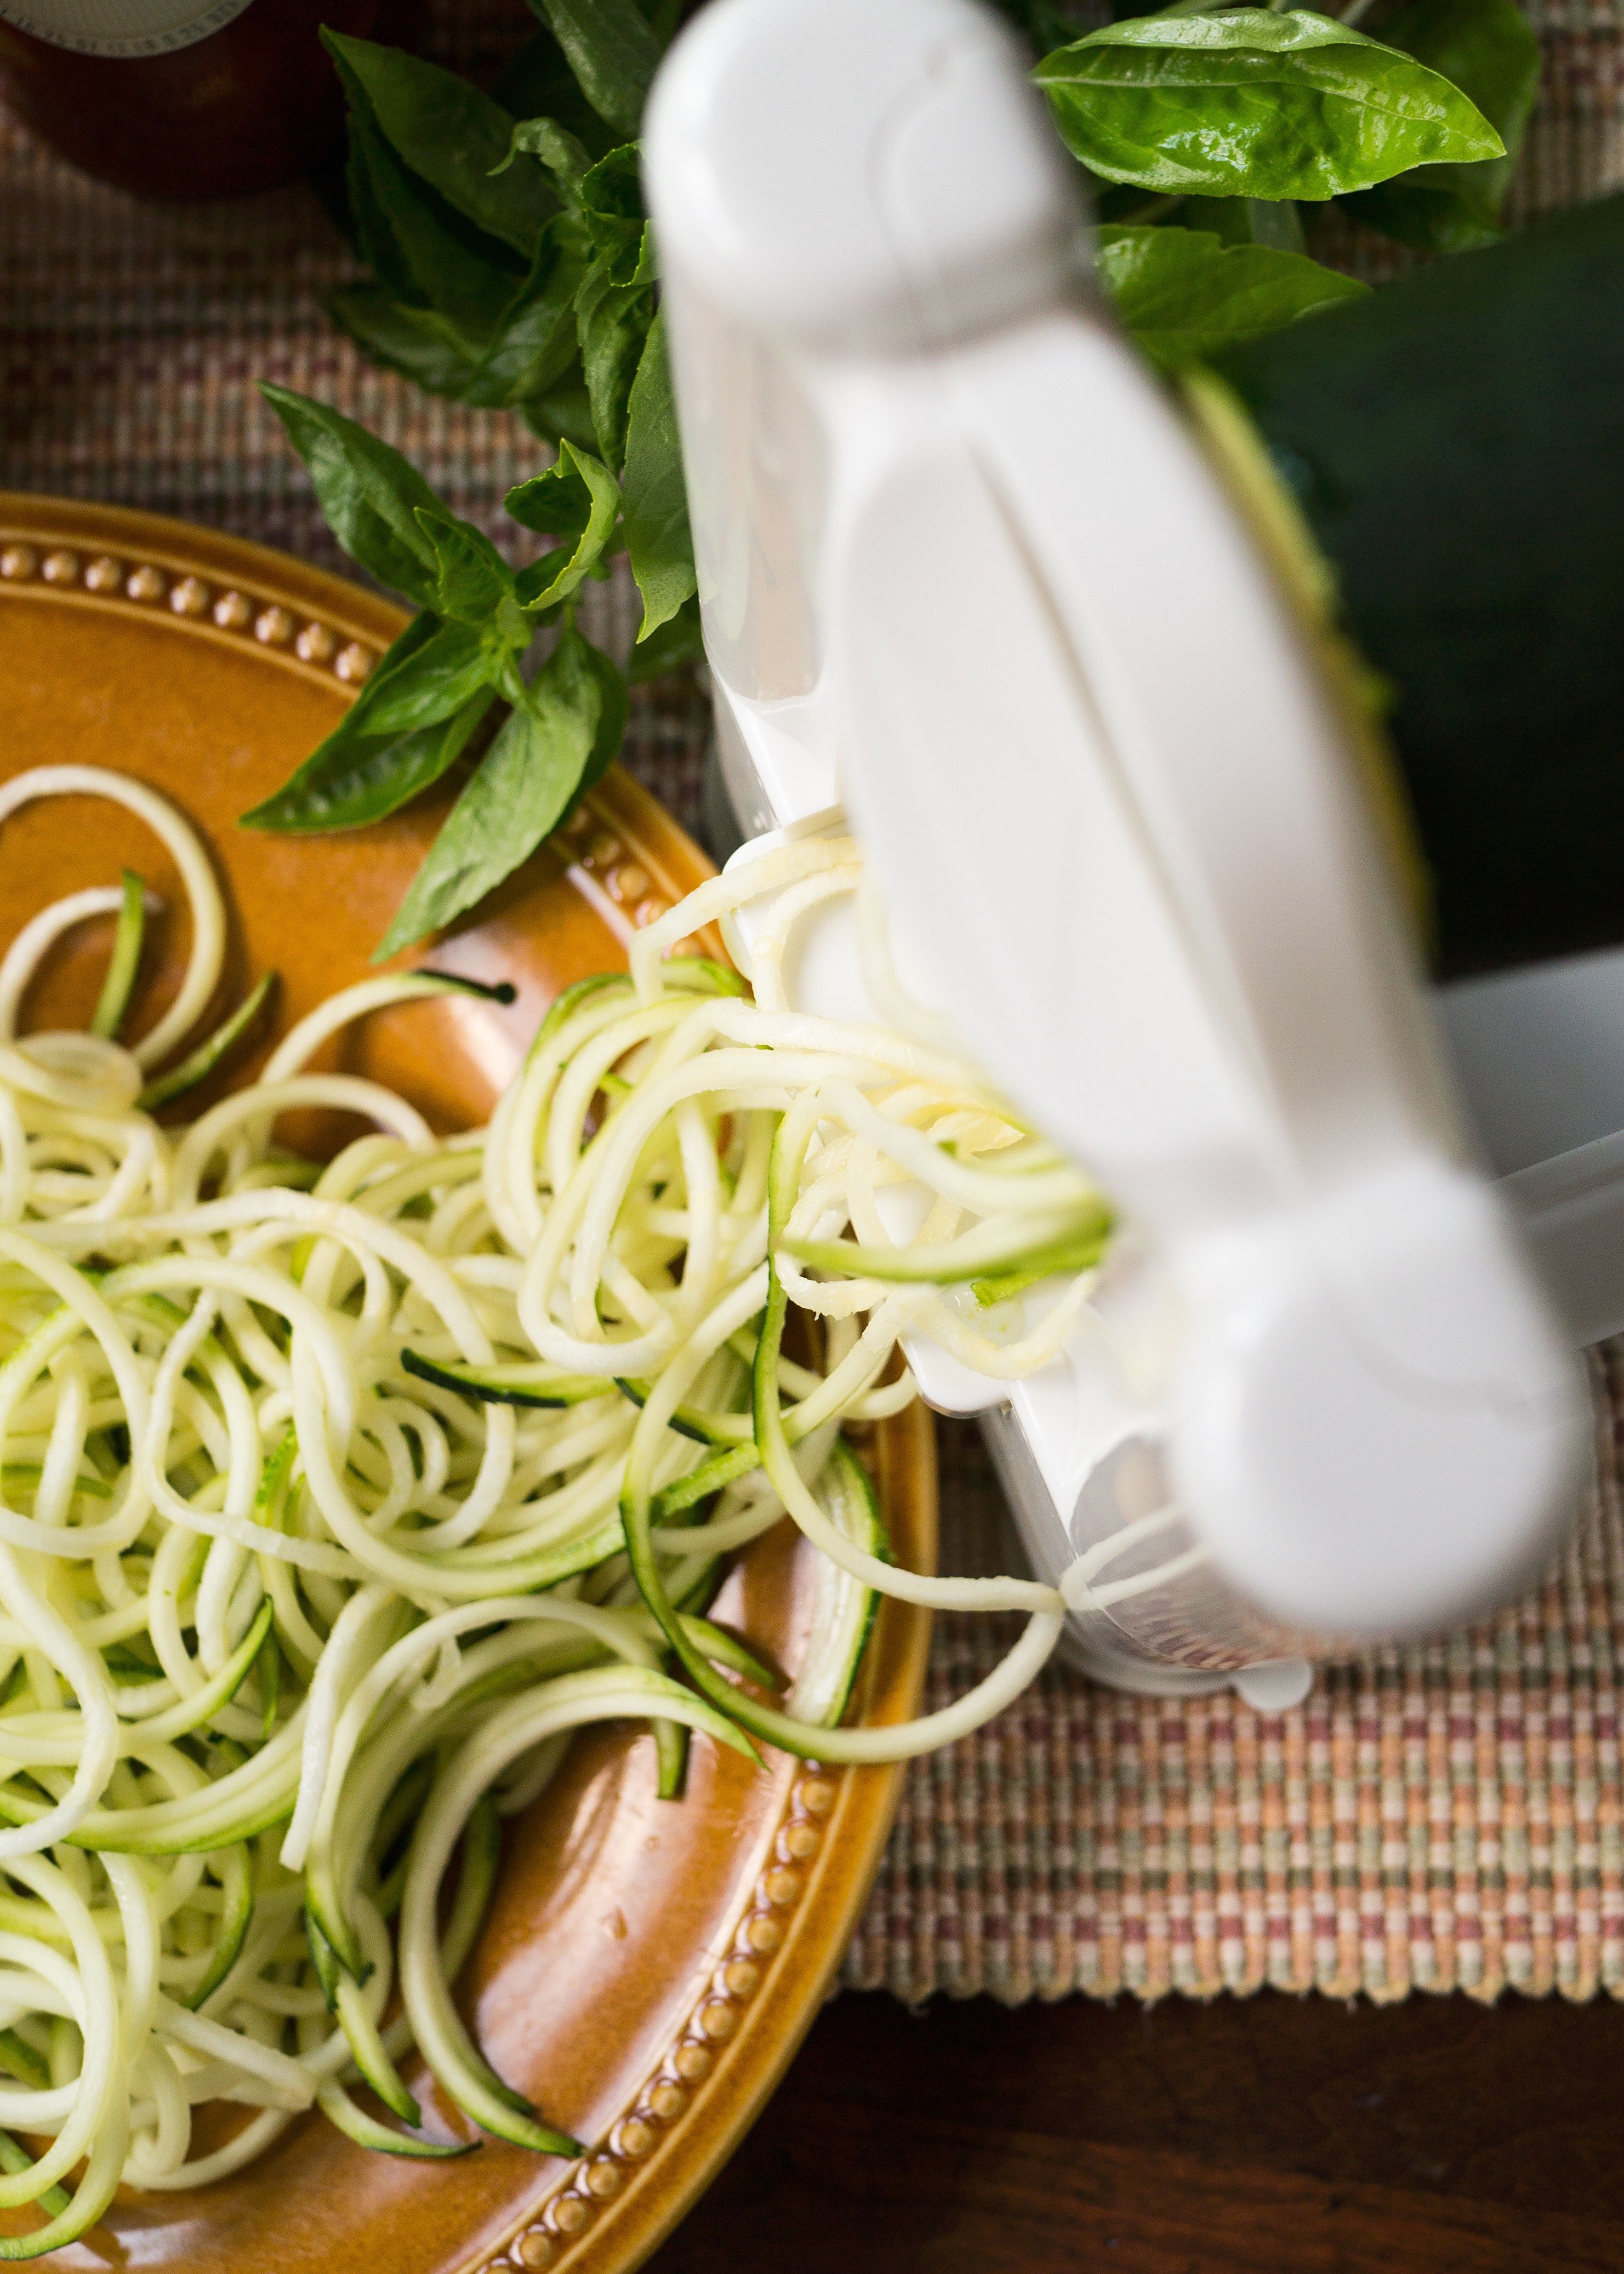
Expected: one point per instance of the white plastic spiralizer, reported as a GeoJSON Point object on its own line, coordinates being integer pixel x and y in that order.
{"type": "Point", "coordinates": [969, 576]}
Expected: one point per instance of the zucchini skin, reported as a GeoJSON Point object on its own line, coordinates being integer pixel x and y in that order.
{"type": "Point", "coordinates": [1456, 442]}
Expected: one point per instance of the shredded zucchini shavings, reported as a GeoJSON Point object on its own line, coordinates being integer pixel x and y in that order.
{"type": "Point", "coordinates": [334, 1498]}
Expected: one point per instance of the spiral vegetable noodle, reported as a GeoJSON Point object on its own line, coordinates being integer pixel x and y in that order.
{"type": "Point", "coordinates": [334, 1498]}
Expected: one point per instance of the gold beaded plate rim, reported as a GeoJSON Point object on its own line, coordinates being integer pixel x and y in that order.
{"type": "Point", "coordinates": [222, 587]}
{"type": "Point", "coordinates": [795, 1909]}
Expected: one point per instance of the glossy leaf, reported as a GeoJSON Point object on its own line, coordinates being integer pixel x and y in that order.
{"type": "Point", "coordinates": [655, 498]}
{"type": "Point", "coordinates": [612, 52]}
{"type": "Point", "coordinates": [612, 323]}
{"type": "Point", "coordinates": [576, 499]}
{"type": "Point", "coordinates": [1488, 49]}
{"type": "Point", "coordinates": [467, 275]}
{"type": "Point", "coordinates": [368, 492]}
{"type": "Point", "coordinates": [471, 578]}
{"type": "Point", "coordinates": [436, 679]}
{"type": "Point", "coordinates": [539, 83]}
{"type": "Point", "coordinates": [563, 413]}
{"type": "Point", "coordinates": [615, 305]}
{"type": "Point", "coordinates": [614, 702]}
{"type": "Point", "coordinates": [564, 155]}
{"type": "Point", "coordinates": [677, 642]}
{"type": "Point", "coordinates": [411, 719]}
{"type": "Point", "coordinates": [1245, 221]}
{"type": "Point", "coordinates": [611, 207]}
{"type": "Point", "coordinates": [362, 779]}
{"type": "Point", "coordinates": [451, 135]}
{"type": "Point", "coordinates": [415, 342]}
{"type": "Point", "coordinates": [1251, 103]}
{"type": "Point", "coordinates": [374, 239]}
{"type": "Point", "coordinates": [524, 785]}
{"type": "Point", "coordinates": [536, 342]}
{"type": "Point", "coordinates": [1184, 295]}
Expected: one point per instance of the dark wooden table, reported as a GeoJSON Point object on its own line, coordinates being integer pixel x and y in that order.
{"type": "Point", "coordinates": [1242, 2137]}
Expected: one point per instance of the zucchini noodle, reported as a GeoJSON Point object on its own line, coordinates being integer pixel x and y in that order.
{"type": "Point", "coordinates": [334, 1497]}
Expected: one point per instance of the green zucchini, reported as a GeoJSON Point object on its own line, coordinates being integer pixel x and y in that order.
{"type": "Point", "coordinates": [15, 2158]}
{"type": "Point", "coordinates": [201, 1063]}
{"type": "Point", "coordinates": [329, 1971]}
{"type": "Point", "coordinates": [367, 2047]}
{"type": "Point", "coordinates": [114, 1000]}
{"type": "Point", "coordinates": [19, 2060]}
{"type": "Point", "coordinates": [29, 1473]}
{"type": "Point", "coordinates": [1456, 442]}
{"type": "Point", "coordinates": [194, 1713]}
{"type": "Point", "coordinates": [974, 1255]}
{"type": "Point", "coordinates": [711, 1429]}
{"type": "Point", "coordinates": [722, 1468]}
{"type": "Point", "coordinates": [482, 1857]}
{"type": "Point", "coordinates": [670, 1759]}
{"type": "Point", "coordinates": [842, 1617]}
{"type": "Point", "coordinates": [336, 2106]}
{"type": "Point", "coordinates": [234, 1870]}
{"type": "Point", "coordinates": [842, 1610]}
{"type": "Point", "coordinates": [524, 1383]}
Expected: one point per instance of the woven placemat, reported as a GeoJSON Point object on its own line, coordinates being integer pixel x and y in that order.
{"type": "Point", "coordinates": [1438, 1817]}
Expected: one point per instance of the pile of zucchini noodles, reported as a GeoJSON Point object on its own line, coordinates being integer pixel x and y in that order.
{"type": "Point", "coordinates": [334, 1498]}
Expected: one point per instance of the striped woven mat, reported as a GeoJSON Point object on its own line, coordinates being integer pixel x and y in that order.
{"type": "Point", "coordinates": [1438, 1817]}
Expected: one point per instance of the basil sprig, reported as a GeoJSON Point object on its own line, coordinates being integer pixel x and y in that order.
{"type": "Point", "coordinates": [512, 266]}
{"type": "Point", "coordinates": [464, 650]}
{"type": "Point", "coordinates": [560, 734]}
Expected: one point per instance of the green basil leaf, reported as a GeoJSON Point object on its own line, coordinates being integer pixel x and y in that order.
{"type": "Point", "coordinates": [524, 787]}
{"type": "Point", "coordinates": [655, 497]}
{"type": "Point", "coordinates": [613, 322]}
{"type": "Point", "coordinates": [365, 777]}
{"type": "Point", "coordinates": [577, 499]}
{"type": "Point", "coordinates": [563, 413]}
{"type": "Point", "coordinates": [431, 674]}
{"type": "Point", "coordinates": [677, 642]}
{"type": "Point", "coordinates": [451, 136]}
{"type": "Point", "coordinates": [1427, 215]}
{"type": "Point", "coordinates": [612, 50]}
{"type": "Point", "coordinates": [1254, 104]}
{"type": "Point", "coordinates": [1488, 49]}
{"type": "Point", "coordinates": [538, 340]}
{"type": "Point", "coordinates": [444, 673]}
{"type": "Point", "coordinates": [564, 155]}
{"type": "Point", "coordinates": [368, 492]}
{"type": "Point", "coordinates": [1245, 221]}
{"type": "Point", "coordinates": [1184, 295]}
{"type": "Point", "coordinates": [469, 276]}
{"type": "Point", "coordinates": [539, 83]}
{"type": "Point", "coordinates": [614, 704]}
{"type": "Point", "coordinates": [564, 499]}
{"type": "Point", "coordinates": [472, 579]}
{"type": "Point", "coordinates": [374, 240]}
{"type": "Point", "coordinates": [415, 340]}
{"type": "Point", "coordinates": [611, 205]}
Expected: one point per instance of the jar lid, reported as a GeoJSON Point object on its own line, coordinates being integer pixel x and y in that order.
{"type": "Point", "coordinates": [120, 28]}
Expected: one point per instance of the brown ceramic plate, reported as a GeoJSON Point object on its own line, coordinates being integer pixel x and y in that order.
{"type": "Point", "coordinates": [648, 1968]}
